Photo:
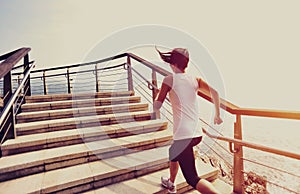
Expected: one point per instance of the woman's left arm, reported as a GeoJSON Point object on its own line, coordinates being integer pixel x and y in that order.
{"type": "Point", "coordinates": [215, 97]}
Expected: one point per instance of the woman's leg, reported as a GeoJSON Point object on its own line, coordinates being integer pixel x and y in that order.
{"type": "Point", "coordinates": [173, 171]}
{"type": "Point", "coordinates": [188, 168]}
{"type": "Point", "coordinates": [206, 187]}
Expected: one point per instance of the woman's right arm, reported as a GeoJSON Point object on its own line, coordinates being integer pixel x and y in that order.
{"type": "Point", "coordinates": [165, 88]}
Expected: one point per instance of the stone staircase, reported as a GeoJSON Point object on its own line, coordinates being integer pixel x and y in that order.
{"type": "Point", "coordinates": [94, 143]}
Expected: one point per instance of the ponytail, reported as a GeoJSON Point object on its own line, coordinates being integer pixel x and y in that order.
{"type": "Point", "coordinates": [166, 57]}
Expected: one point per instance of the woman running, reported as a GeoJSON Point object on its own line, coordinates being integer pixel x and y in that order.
{"type": "Point", "coordinates": [182, 89]}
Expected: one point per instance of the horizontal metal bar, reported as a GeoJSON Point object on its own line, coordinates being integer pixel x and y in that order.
{"type": "Point", "coordinates": [19, 66]}
{"type": "Point", "coordinates": [254, 146]}
{"type": "Point", "coordinates": [107, 75]}
{"type": "Point", "coordinates": [82, 64]}
{"type": "Point", "coordinates": [77, 72]}
{"type": "Point", "coordinates": [270, 167]}
{"type": "Point", "coordinates": [150, 65]}
{"type": "Point", "coordinates": [148, 82]}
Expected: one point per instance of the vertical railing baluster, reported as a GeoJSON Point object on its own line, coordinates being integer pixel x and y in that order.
{"type": "Point", "coordinates": [10, 123]}
{"type": "Point", "coordinates": [68, 80]}
{"type": "Point", "coordinates": [154, 92]}
{"type": "Point", "coordinates": [19, 80]}
{"type": "Point", "coordinates": [129, 73]}
{"type": "Point", "coordinates": [26, 67]}
{"type": "Point", "coordinates": [238, 163]}
{"type": "Point", "coordinates": [97, 80]}
{"type": "Point", "coordinates": [44, 83]}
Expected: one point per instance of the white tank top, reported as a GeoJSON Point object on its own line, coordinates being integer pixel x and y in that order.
{"type": "Point", "coordinates": [183, 97]}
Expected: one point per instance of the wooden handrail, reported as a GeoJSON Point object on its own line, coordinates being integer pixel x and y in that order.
{"type": "Point", "coordinates": [12, 59]}
{"type": "Point", "coordinates": [268, 113]}
{"type": "Point", "coordinates": [233, 109]}
{"type": "Point", "coordinates": [5, 56]}
{"type": "Point", "coordinates": [254, 146]}
{"type": "Point", "coordinates": [229, 107]}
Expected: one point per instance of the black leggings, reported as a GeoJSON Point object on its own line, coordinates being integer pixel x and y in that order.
{"type": "Point", "coordinates": [182, 151]}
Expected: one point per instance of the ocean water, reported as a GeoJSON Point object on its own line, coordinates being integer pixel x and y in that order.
{"type": "Point", "coordinates": [282, 134]}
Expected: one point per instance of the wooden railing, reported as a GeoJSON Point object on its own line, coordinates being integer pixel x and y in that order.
{"type": "Point", "coordinates": [237, 143]}
{"type": "Point", "coordinates": [233, 109]}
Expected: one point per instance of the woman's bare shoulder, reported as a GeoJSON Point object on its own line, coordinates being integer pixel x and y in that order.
{"type": "Point", "coordinates": [168, 80]}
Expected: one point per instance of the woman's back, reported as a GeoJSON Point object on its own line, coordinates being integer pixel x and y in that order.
{"type": "Point", "coordinates": [183, 96]}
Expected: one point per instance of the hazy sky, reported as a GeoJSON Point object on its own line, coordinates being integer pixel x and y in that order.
{"type": "Point", "coordinates": [254, 43]}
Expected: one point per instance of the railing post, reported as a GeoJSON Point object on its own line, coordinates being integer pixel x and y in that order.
{"type": "Point", "coordinates": [44, 83]}
{"type": "Point", "coordinates": [26, 67]}
{"type": "Point", "coordinates": [129, 73]}
{"type": "Point", "coordinates": [10, 123]}
{"type": "Point", "coordinates": [154, 92]}
{"type": "Point", "coordinates": [238, 163]}
{"type": "Point", "coordinates": [19, 80]}
{"type": "Point", "coordinates": [97, 79]}
{"type": "Point", "coordinates": [68, 80]}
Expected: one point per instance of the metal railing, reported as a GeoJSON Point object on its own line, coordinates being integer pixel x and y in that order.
{"type": "Point", "coordinates": [61, 79]}
{"type": "Point", "coordinates": [12, 99]}
{"type": "Point", "coordinates": [131, 74]}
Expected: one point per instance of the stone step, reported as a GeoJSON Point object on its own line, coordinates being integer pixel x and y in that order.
{"type": "Point", "coordinates": [41, 106]}
{"type": "Point", "coordinates": [53, 139]}
{"type": "Point", "coordinates": [91, 174]}
{"type": "Point", "coordinates": [223, 187]}
{"type": "Point", "coordinates": [77, 112]}
{"type": "Point", "coordinates": [80, 122]}
{"type": "Point", "coordinates": [24, 164]}
{"type": "Point", "coordinates": [151, 183]}
{"type": "Point", "coordinates": [62, 97]}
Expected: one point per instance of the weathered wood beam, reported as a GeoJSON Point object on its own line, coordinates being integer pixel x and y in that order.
{"type": "Point", "coordinates": [12, 60]}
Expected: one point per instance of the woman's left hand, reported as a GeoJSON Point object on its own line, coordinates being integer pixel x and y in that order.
{"type": "Point", "coordinates": [218, 120]}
